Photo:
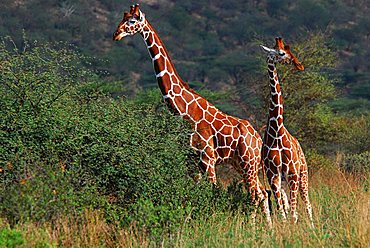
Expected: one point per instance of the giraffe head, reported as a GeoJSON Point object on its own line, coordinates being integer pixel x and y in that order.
{"type": "Point", "coordinates": [133, 22]}
{"type": "Point", "coordinates": [281, 54]}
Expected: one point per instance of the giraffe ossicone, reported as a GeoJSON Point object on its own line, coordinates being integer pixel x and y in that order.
{"type": "Point", "coordinates": [217, 137]}
{"type": "Point", "coordinates": [282, 154]}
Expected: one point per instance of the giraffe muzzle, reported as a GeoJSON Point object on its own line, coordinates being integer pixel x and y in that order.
{"type": "Point", "coordinates": [116, 36]}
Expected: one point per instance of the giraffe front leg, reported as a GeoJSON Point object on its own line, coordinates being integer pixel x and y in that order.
{"type": "Point", "coordinates": [207, 164]}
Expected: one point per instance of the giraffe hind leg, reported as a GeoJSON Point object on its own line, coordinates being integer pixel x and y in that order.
{"type": "Point", "coordinates": [256, 191]}
{"type": "Point", "coordinates": [250, 183]}
{"type": "Point", "coordinates": [275, 184]}
{"type": "Point", "coordinates": [264, 200]}
{"type": "Point", "coordinates": [293, 181]}
{"type": "Point", "coordinates": [285, 199]}
{"type": "Point", "coordinates": [303, 187]}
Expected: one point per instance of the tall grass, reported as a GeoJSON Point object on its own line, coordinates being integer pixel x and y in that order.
{"type": "Point", "coordinates": [341, 215]}
{"type": "Point", "coordinates": [341, 212]}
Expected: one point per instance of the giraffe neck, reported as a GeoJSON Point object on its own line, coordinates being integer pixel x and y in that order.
{"type": "Point", "coordinates": [174, 90]}
{"type": "Point", "coordinates": [276, 98]}
{"type": "Point", "coordinates": [165, 71]}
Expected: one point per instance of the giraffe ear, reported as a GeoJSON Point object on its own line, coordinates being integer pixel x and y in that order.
{"type": "Point", "coordinates": [266, 49]}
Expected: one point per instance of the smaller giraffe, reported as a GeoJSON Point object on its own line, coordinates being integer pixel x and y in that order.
{"type": "Point", "coordinates": [282, 155]}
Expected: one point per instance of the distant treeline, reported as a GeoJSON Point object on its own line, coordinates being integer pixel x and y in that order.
{"type": "Point", "coordinates": [211, 42]}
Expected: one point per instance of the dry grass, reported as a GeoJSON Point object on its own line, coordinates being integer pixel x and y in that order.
{"type": "Point", "coordinates": [341, 212]}
{"type": "Point", "coordinates": [88, 230]}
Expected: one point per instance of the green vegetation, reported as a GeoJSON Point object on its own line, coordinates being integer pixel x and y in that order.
{"type": "Point", "coordinates": [68, 148]}
{"type": "Point", "coordinates": [10, 238]}
{"type": "Point", "coordinates": [90, 159]}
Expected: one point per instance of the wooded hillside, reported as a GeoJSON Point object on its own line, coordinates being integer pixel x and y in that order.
{"type": "Point", "coordinates": [212, 43]}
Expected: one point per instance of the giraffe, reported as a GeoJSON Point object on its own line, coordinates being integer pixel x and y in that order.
{"type": "Point", "coordinates": [217, 137]}
{"type": "Point", "coordinates": [282, 155]}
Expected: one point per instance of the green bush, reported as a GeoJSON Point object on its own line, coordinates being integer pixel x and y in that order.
{"type": "Point", "coordinates": [10, 238]}
{"type": "Point", "coordinates": [67, 147]}
{"type": "Point", "coordinates": [41, 95]}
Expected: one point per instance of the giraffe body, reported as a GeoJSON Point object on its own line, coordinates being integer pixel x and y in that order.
{"type": "Point", "coordinates": [217, 137]}
{"type": "Point", "coordinates": [282, 154]}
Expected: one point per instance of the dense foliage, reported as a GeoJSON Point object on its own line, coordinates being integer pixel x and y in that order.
{"type": "Point", "coordinates": [67, 148]}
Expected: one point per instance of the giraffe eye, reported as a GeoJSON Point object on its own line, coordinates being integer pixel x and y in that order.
{"type": "Point", "coordinates": [281, 53]}
{"type": "Point", "coordinates": [131, 21]}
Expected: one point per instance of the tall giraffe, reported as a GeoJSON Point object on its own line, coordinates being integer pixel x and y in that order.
{"type": "Point", "coordinates": [217, 137]}
{"type": "Point", "coordinates": [282, 155]}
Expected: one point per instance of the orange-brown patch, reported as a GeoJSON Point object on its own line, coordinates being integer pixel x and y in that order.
{"type": "Point", "coordinates": [180, 104]}
{"type": "Point", "coordinates": [212, 110]}
{"type": "Point", "coordinates": [250, 129]}
{"type": "Point", "coordinates": [195, 111]}
{"type": "Point", "coordinates": [217, 124]}
{"type": "Point", "coordinates": [169, 66]}
{"type": "Point", "coordinates": [174, 79]}
{"type": "Point", "coordinates": [226, 130]}
{"type": "Point", "coordinates": [176, 89]}
{"type": "Point", "coordinates": [208, 117]}
{"type": "Point", "coordinates": [187, 95]}
{"type": "Point", "coordinates": [154, 50]}
{"type": "Point", "coordinates": [285, 142]}
{"type": "Point", "coordinates": [235, 133]}
{"type": "Point", "coordinates": [224, 152]}
{"type": "Point", "coordinates": [233, 120]}
{"type": "Point", "coordinates": [219, 116]}
{"type": "Point", "coordinates": [229, 140]}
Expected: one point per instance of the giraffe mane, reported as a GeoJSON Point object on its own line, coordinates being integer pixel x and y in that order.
{"type": "Point", "coordinates": [186, 85]}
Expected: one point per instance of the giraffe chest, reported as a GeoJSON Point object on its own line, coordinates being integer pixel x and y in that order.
{"type": "Point", "coordinates": [281, 151]}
